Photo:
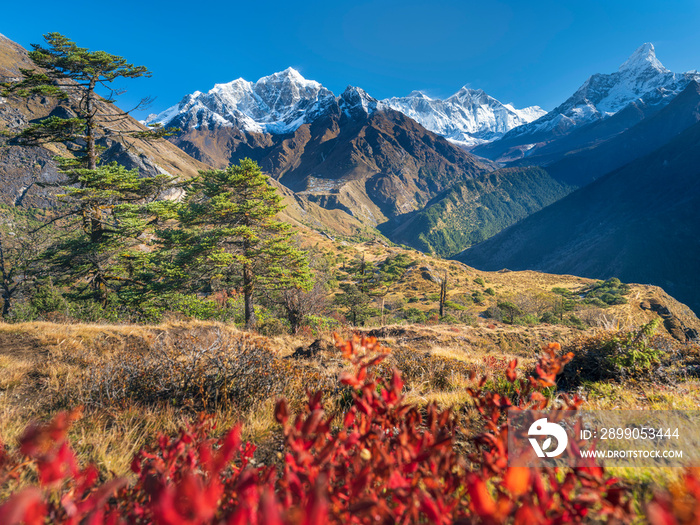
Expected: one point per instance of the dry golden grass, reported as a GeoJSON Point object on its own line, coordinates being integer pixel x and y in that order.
{"type": "Point", "coordinates": [528, 286]}
{"type": "Point", "coordinates": [42, 370]}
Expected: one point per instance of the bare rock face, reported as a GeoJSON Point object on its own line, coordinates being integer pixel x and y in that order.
{"type": "Point", "coordinates": [672, 322]}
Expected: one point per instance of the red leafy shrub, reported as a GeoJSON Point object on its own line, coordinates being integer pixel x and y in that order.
{"type": "Point", "coordinates": [680, 505]}
{"type": "Point", "coordinates": [382, 461]}
{"type": "Point", "coordinates": [491, 362]}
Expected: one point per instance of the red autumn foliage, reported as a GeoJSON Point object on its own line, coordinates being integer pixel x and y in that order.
{"type": "Point", "coordinates": [386, 462]}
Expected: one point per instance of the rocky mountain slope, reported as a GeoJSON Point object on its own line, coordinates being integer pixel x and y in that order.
{"type": "Point", "coordinates": [641, 84]}
{"type": "Point", "coordinates": [23, 170]}
{"type": "Point", "coordinates": [350, 153]}
{"type": "Point", "coordinates": [638, 223]}
{"type": "Point", "coordinates": [26, 171]}
{"type": "Point", "coordinates": [579, 167]}
{"type": "Point", "coordinates": [475, 210]}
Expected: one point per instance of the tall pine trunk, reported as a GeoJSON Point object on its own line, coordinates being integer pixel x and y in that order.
{"type": "Point", "coordinates": [6, 283]}
{"type": "Point", "coordinates": [90, 125]}
{"type": "Point", "coordinates": [250, 320]}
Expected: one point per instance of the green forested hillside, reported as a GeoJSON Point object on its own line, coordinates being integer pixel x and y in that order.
{"type": "Point", "coordinates": [477, 209]}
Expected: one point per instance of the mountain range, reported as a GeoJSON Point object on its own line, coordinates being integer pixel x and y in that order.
{"type": "Point", "coordinates": [636, 213]}
{"type": "Point", "coordinates": [639, 223]}
{"type": "Point", "coordinates": [469, 117]}
{"type": "Point", "coordinates": [281, 102]}
{"type": "Point", "coordinates": [372, 163]}
{"type": "Point", "coordinates": [570, 190]}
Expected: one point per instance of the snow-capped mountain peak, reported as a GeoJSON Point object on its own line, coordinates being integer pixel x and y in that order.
{"type": "Point", "coordinates": [642, 77]}
{"type": "Point", "coordinates": [468, 117]}
{"type": "Point", "coordinates": [467, 93]}
{"type": "Point", "coordinates": [283, 101]}
{"type": "Point", "coordinates": [277, 103]}
{"type": "Point", "coordinates": [355, 102]}
{"type": "Point", "coordinates": [418, 94]}
{"type": "Point", "coordinates": [643, 58]}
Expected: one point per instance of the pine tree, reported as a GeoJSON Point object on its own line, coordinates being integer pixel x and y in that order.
{"type": "Point", "coordinates": [19, 245]}
{"type": "Point", "coordinates": [107, 208]}
{"type": "Point", "coordinates": [509, 309]}
{"type": "Point", "coordinates": [229, 237]}
{"type": "Point", "coordinates": [105, 217]}
{"type": "Point", "coordinates": [72, 75]}
{"type": "Point", "coordinates": [357, 303]}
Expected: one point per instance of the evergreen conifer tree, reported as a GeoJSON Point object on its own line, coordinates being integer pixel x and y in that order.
{"type": "Point", "coordinates": [229, 237]}
{"type": "Point", "coordinates": [107, 207]}
{"type": "Point", "coordinates": [106, 215]}
{"type": "Point", "coordinates": [73, 75]}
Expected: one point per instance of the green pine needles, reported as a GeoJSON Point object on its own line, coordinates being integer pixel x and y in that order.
{"type": "Point", "coordinates": [72, 76]}
{"type": "Point", "coordinates": [228, 237]}
{"type": "Point", "coordinates": [117, 242]}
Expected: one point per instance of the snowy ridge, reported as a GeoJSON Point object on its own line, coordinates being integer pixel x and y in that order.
{"type": "Point", "coordinates": [278, 103]}
{"type": "Point", "coordinates": [641, 77]}
{"type": "Point", "coordinates": [282, 102]}
{"type": "Point", "coordinates": [355, 102]}
{"type": "Point", "coordinates": [468, 117]}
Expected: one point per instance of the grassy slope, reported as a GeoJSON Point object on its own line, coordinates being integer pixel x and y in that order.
{"type": "Point", "coordinates": [45, 367]}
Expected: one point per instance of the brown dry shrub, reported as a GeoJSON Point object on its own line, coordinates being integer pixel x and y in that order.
{"type": "Point", "coordinates": [198, 370]}
{"type": "Point", "coordinates": [430, 372]}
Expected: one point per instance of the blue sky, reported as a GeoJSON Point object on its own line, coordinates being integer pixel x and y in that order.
{"type": "Point", "coordinates": [526, 53]}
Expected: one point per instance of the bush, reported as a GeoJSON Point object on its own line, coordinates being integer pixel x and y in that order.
{"type": "Point", "coordinates": [195, 370]}
{"type": "Point", "coordinates": [428, 372]}
{"type": "Point", "coordinates": [48, 299]}
{"type": "Point", "coordinates": [321, 325]}
{"type": "Point", "coordinates": [596, 301]}
{"type": "Point", "coordinates": [467, 318]}
{"type": "Point", "coordinates": [574, 321]}
{"type": "Point", "coordinates": [271, 326]}
{"type": "Point", "coordinates": [494, 312]}
{"type": "Point", "coordinates": [603, 294]}
{"type": "Point", "coordinates": [479, 281]}
{"type": "Point", "coordinates": [549, 317]}
{"type": "Point", "coordinates": [22, 311]}
{"type": "Point", "coordinates": [527, 319]}
{"type": "Point", "coordinates": [449, 319]}
{"type": "Point", "coordinates": [382, 461]}
{"type": "Point", "coordinates": [510, 311]}
{"type": "Point", "coordinates": [414, 315]}
{"type": "Point", "coordinates": [617, 356]}
{"type": "Point", "coordinates": [490, 291]}
{"type": "Point", "coordinates": [454, 306]}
